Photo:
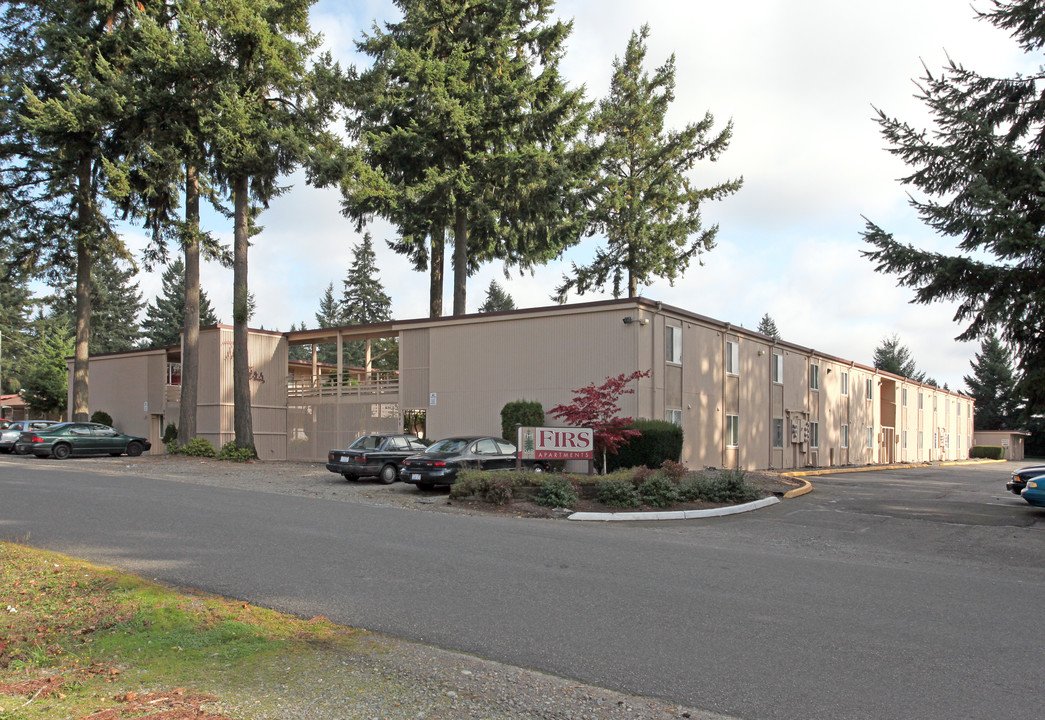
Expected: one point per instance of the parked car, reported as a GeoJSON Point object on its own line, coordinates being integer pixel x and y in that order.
{"type": "Point", "coordinates": [9, 435]}
{"type": "Point", "coordinates": [378, 455]}
{"type": "Point", "coordinates": [4, 424]}
{"type": "Point", "coordinates": [65, 439]}
{"type": "Point", "coordinates": [438, 465]}
{"type": "Point", "coordinates": [1020, 477]}
{"type": "Point", "coordinates": [1034, 493]}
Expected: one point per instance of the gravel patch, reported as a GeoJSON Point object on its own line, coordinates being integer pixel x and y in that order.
{"type": "Point", "coordinates": [383, 678]}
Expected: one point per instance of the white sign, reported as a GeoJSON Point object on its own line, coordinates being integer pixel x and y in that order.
{"type": "Point", "coordinates": [431, 398]}
{"type": "Point", "coordinates": [556, 443]}
{"type": "Point", "coordinates": [146, 409]}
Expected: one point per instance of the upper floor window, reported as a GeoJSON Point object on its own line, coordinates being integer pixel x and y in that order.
{"type": "Point", "coordinates": [673, 338]}
{"type": "Point", "coordinates": [903, 397]}
{"type": "Point", "coordinates": [814, 377]}
{"type": "Point", "coordinates": [921, 401]}
{"type": "Point", "coordinates": [778, 368]}
{"type": "Point", "coordinates": [845, 383]}
{"type": "Point", "coordinates": [732, 357]}
{"type": "Point", "coordinates": [870, 389]}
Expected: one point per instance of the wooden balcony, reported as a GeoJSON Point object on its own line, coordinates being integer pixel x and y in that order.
{"type": "Point", "coordinates": [370, 386]}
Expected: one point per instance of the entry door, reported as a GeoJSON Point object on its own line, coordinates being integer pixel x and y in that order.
{"type": "Point", "coordinates": [887, 454]}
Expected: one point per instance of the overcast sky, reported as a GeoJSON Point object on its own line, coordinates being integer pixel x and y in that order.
{"type": "Point", "coordinates": [800, 81]}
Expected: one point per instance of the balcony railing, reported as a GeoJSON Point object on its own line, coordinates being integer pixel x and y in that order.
{"type": "Point", "coordinates": [371, 384]}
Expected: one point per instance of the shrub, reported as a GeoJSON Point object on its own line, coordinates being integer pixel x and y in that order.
{"type": "Point", "coordinates": [101, 417]}
{"type": "Point", "coordinates": [198, 447]}
{"type": "Point", "coordinates": [557, 492]}
{"type": "Point", "coordinates": [528, 413]}
{"type": "Point", "coordinates": [641, 475]}
{"type": "Point", "coordinates": [673, 470]}
{"type": "Point", "coordinates": [729, 486]}
{"type": "Point", "coordinates": [496, 486]}
{"type": "Point", "coordinates": [233, 453]}
{"type": "Point", "coordinates": [658, 491]}
{"type": "Point", "coordinates": [170, 434]}
{"type": "Point", "coordinates": [617, 493]}
{"type": "Point", "coordinates": [498, 490]}
{"type": "Point", "coordinates": [172, 448]}
{"type": "Point", "coordinates": [660, 440]}
{"type": "Point", "coordinates": [992, 452]}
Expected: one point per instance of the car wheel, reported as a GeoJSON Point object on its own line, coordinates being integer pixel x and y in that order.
{"type": "Point", "coordinates": [350, 478]}
{"type": "Point", "coordinates": [61, 451]}
{"type": "Point", "coordinates": [538, 468]}
{"type": "Point", "coordinates": [116, 454]}
{"type": "Point", "coordinates": [388, 475]}
{"type": "Point", "coordinates": [134, 449]}
{"type": "Point", "coordinates": [425, 486]}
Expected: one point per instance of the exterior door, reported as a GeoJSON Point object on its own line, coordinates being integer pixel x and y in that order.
{"type": "Point", "coordinates": [887, 453]}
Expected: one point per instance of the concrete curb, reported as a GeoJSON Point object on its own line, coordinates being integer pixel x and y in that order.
{"type": "Point", "coordinates": [675, 514]}
{"type": "Point", "coordinates": [872, 468]}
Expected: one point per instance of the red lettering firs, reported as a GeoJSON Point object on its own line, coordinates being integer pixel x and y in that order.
{"type": "Point", "coordinates": [548, 438]}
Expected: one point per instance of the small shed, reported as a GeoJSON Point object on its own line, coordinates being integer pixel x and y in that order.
{"type": "Point", "coordinates": [1012, 440]}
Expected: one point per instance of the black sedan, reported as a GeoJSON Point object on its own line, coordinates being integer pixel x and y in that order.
{"type": "Point", "coordinates": [1021, 476]}
{"type": "Point", "coordinates": [375, 455]}
{"type": "Point", "coordinates": [438, 465]}
{"type": "Point", "coordinates": [66, 439]}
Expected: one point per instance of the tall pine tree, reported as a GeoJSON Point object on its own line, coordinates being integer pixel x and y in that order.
{"type": "Point", "coordinates": [363, 302]}
{"type": "Point", "coordinates": [647, 207]}
{"type": "Point", "coordinates": [464, 122]}
{"type": "Point", "coordinates": [165, 317]}
{"type": "Point", "coordinates": [892, 356]}
{"type": "Point", "coordinates": [979, 173]}
{"type": "Point", "coordinates": [767, 326]}
{"type": "Point", "coordinates": [15, 309]}
{"type": "Point", "coordinates": [993, 386]}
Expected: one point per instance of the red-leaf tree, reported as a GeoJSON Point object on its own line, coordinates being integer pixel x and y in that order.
{"type": "Point", "coordinates": [596, 407]}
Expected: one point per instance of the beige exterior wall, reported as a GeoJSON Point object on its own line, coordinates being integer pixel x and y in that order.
{"type": "Point", "coordinates": [1013, 442]}
{"type": "Point", "coordinates": [462, 370]}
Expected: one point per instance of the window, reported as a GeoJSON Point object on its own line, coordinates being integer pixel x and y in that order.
{"type": "Point", "coordinates": [845, 383]}
{"type": "Point", "coordinates": [732, 357]}
{"type": "Point", "coordinates": [903, 397]}
{"type": "Point", "coordinates": [673, 337]}
{"type": "Point", "coordinates": [921, 439]}
{"type": "Point", "coordinates": [732, 430]}
{"type": "Point", "coordinates": [814, 434]}
{"type": "Point", "coordinates": [959, 439]}
{"type": "Point", "coordinates": [845, 436]}
{"type": "Point", "coordinates": [934, 401]}
{"type": "Point", "coordinates": [958, 408]}
{"type": "Point", "coordinates": [673, 416]}
{"type": "Point", "coordinates": [921, 401]}
{"type": "Point", "coordinates": [904, 439]}
{"type": "Point", "coordinates": [870, 437]}
{"type": "Point", "coordinates": [935, 439]}
{"type": "Point", "coordinates": [778, 368]}
{"type": "Point", "coordinates": [814, 377]}
{"type": "Point", "coordinates": [870, 390]}
{"type": "Point", "coordinates": [778, 431]}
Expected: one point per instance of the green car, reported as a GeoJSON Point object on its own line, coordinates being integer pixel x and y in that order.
{"type": "Point", "coordinates": [73, 438]}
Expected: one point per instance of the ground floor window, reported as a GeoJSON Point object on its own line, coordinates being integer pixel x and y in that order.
{"type": "Point", "coordinates": [845, 436]}
{"type": "Point", "coordinates": [814, 434]}
{"type": "Point", "coordinates": [732, 430]}
{"type": "Point", "coordinates": [673, 416]}
{"type": "Point", "coordinates": [904, 439]}
{"type": "Point", "coordinates": [778, 431]}
{"type": "Point", "coordinates": [870, 437]}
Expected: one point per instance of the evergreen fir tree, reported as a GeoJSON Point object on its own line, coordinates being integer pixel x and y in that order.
{"type": "Point", "coordinates": [893, 357]}
{"type": "Point", "coordinates": [364, 302]}
{"type": "Point", "coordinates": [464, 122]}
{"type": "Point", "coordinates": [45, 375]}
{"type": "Point", "coordinates": [165, 317]}
{"type": "Point", "coordinates": [767, 326]}
{"type": "Point", "coordinates": [646, 205]}
{"type": "Point", "coordinates": [977, 178]}
{"type": "Point", "coordinates": [328, 316]}
{"type": "Point", "coordinates": [15, 309]}
{"type": "Point", "coordinates": [300, 353]}
{"type": "Point", "coordinates": [496, 299]}
{"type": "Point", "coordinates": [993, 386]}
{"type": "Point", "coordinates": [115, 304]}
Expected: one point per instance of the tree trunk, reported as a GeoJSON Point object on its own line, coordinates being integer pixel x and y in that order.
{"type": "Point", "coordinates": [242, 421]}
{"type": "Point", "coordinates": [435, 293]}
{"type": "Point", "coordinates": [460, 259]}
{"type": "Point", "coordinates": [190, 358]}
{"type": "Point", "coordinates": [81, 407]}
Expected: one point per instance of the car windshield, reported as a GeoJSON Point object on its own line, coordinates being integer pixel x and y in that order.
{"type": "Point", "coordinates": [368, 442]}
{"type": "Point", "coordinates": [447, 447]}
